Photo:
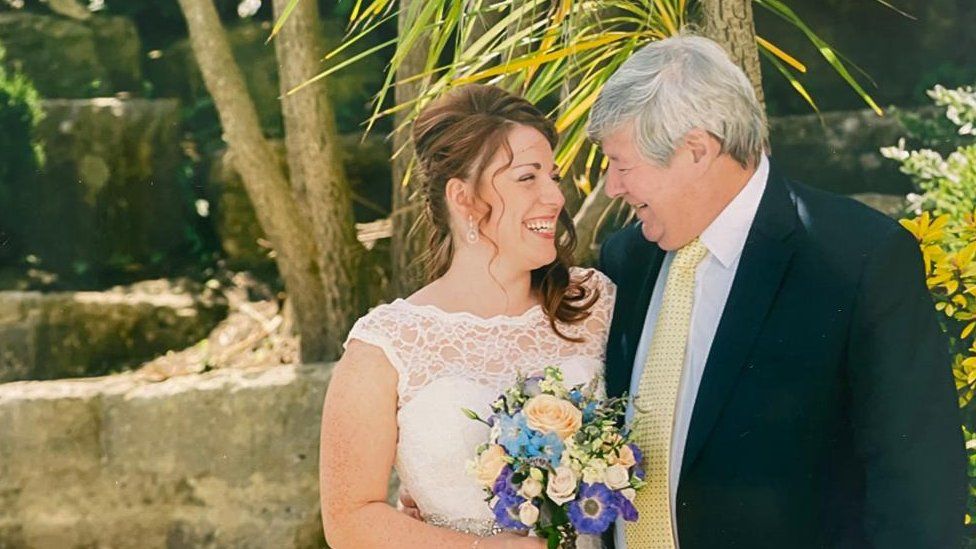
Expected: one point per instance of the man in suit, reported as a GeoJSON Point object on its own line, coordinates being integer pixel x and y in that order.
{"type": "Point", "coordinates": [791, 385]}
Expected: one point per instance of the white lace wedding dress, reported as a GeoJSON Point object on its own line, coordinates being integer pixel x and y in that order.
{"type": "Point", "coordinates": [449, 361]}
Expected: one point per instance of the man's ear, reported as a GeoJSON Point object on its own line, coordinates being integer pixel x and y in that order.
{"type": "Point", "coordinates": [702, 145]}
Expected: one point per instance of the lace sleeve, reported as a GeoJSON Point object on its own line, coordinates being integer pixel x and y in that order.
{"type": "Point", "coordinates": [378, 328]}
{"type": "Point", "coordinates": [597, 325]}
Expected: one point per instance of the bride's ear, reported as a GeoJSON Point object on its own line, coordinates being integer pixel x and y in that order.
{"type": "Point", "coordinates": [460, 197]}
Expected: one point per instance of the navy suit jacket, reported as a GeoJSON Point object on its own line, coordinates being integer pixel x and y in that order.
{"type": "Point", "coordinates": [826, 415]}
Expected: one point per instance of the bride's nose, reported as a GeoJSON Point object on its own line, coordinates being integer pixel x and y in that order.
{"type": "Point", "coordinates": [552, 195]}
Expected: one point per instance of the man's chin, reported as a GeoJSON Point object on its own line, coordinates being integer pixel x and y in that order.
{"type": "Point", "coordinates": [650, 235]}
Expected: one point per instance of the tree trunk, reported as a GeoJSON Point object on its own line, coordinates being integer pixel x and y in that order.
{"type": "Point", "coordinates": [410, 233]}
{"type": "Point", "coordinates": [587, 223]}
{"type": "Point", "coordinates": [267, 187]}
{"type": "Point", "coordinates": [730, 23]}
{"type": "Point", "coordinates": [317, 175]}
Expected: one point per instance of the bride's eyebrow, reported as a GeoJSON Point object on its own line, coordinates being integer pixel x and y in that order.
{"type": "Point", "coordinates": [535, 165]}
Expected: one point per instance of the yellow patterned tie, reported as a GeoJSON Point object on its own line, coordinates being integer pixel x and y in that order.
{"type": "Point", "coordinates": [656, 397]}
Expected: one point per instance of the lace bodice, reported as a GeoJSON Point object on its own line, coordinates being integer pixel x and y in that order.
{"type": "Point", "coordinates": [449, 361]}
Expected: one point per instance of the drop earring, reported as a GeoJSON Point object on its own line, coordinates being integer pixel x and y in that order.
{"type": "Point", "coordinates": [472, 231]}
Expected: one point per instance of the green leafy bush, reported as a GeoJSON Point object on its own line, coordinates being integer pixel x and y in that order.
{"type": "Point", "coordinates": [20, 154]}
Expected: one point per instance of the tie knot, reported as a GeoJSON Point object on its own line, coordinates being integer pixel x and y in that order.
{"type": "Point", "coordinates": [690, 255]}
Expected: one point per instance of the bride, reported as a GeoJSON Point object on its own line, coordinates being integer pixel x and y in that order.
{"type": "Point", "coordinates": [502, 300]}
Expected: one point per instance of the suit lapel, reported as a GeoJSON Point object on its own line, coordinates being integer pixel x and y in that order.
{"type": "Point", "coordinates": [764, 262]}
{"type": "Point", "coordinates": [629, 314]}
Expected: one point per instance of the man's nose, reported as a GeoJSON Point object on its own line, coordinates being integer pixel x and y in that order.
{"type": "Point", "coordinates": [612, 184]}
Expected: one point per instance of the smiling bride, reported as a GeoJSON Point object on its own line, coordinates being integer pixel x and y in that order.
{"type": "Point", "coordinates": [502, 299]}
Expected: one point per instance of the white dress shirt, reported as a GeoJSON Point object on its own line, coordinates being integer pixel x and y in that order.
{"type": "Point", "coordinates": [724, 238]}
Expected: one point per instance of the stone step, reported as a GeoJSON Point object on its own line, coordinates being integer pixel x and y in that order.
{"type": "Point", "coordinates": [78, 334]}
{"type": "Point", "coordinates": [224, 459]}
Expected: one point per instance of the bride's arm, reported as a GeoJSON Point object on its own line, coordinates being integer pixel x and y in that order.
{"type": "Point", "coordinates": [358, 445]}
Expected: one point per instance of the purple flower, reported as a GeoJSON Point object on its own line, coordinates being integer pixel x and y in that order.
{"type": "Point", "coordinates": [626, 508]}
{"type": "Point", "coordinates": [594, 509]}
{"type": "Point", "coordinates": [532, 387]}
{"type": "Point", "coordinates": [503, 484]}
{"type": "Point", "coordinates": [638, 468]}
{"type": "Point", "coordinates": [507, 511]}
{"type": "Point", "coordinates": [638, 455]}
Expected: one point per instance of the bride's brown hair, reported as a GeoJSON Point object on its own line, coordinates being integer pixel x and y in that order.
{"type": "Point", "coordinates": [455, 136]}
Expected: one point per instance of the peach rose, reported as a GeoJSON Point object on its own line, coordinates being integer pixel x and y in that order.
{"type": "Point", "coordinates": [626, 457]}
{"type": "Point", "coordinates": [548, 414]}
{"type": "Point", "coordinates": [489, 464]}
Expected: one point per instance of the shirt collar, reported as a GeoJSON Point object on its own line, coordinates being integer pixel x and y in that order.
{"type": "Point", "coordinates": [726, 236]}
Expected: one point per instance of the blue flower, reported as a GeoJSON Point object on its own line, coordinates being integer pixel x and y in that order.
{"type": "Point", "coordinates": [626, 508]}
{"type": "Point", "coordinates": [507, 511]}
{"type": "Point", "coordinates": [514, 434]}
{"type": "Point", "coordinates": [546, 446]}
{"type": "Point", "coordinates": [576, 397]}
{"type": "Point", "coordinates": [503, 484]}
{"type": "Point", "coordinates": [594, 509]}
{"type": "Point", "coordinates": [588, 412]}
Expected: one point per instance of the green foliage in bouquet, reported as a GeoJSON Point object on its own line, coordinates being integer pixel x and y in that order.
{"type": "Point", "coordinates": [944, 223]}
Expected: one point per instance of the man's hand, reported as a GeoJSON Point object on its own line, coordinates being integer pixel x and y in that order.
{"type": "Point", "coordinates": [407, 505]}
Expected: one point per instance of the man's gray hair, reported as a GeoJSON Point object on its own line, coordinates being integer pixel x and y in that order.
{"type": "Point", "coordinates": [672, 86]}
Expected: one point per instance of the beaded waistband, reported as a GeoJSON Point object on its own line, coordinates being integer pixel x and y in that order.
{"type": "Point", "coordinates": [478, 527]}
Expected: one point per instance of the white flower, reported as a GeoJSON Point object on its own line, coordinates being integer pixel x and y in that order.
{"type": "Point", "coordinates": [530, 488]}
{"type": "Point", "coordinates": [528, 513]}
{"type": "Point", "coordinates": [629, 493]}
{"type": "Point", "coordinates": [595, 471]}
{"type": "Point", "coordinates": [617, 477]}
{"type": "Point", "coordinates": [562, 485]}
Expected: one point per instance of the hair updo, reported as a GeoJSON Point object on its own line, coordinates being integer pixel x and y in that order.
{"type": "Point", "coordinates": [456, 136]}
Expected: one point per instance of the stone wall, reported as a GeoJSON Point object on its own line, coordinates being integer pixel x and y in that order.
{"type": "Point", "coordinates": [367, 164]}
{"type": "Point", "coordinates": [216, 460]}
{"type": "Point", "coordinates": [109, 196]}
{"type": "Point", "coordinates": [839, 151]}
{"type": "Point", "coordinates": [68, 58]}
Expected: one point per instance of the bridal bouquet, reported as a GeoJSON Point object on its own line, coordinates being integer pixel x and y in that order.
{"type": "Point", "coordinates": [556, 460]}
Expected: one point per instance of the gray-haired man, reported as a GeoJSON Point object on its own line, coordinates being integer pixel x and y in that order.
{"type": "Point", "coordinates": [792, 382]}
